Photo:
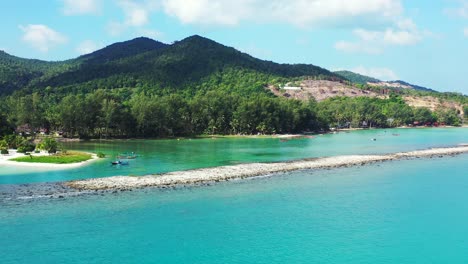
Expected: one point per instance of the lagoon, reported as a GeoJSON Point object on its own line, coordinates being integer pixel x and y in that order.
{"type": "Point", "coordinates": [160, 156]}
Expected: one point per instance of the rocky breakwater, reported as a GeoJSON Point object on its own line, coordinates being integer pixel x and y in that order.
{"type": "Point", "coordinates": [242, 171]}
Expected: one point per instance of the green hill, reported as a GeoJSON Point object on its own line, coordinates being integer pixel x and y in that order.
{"type": "Point", "coordinates": [193, 64]}
{"type": "Point", "coordinates": [123, 50]}
{"type": "Point", "coordinates": [145, 88]}
{"type": "Point", "coordinates": [356, 78]}
{"type": "Point", "coordinates": [415, 87]}
{"type": "Point", "coordinates": [363, 80]}
{"type": "Point", "coordinates": [17, 73]}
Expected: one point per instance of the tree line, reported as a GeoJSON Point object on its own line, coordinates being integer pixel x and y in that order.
{"type": "Point", "coordinates": [126, 112]}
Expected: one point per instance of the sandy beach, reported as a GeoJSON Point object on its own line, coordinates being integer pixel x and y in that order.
{"type": "Point", "coordinates": [242, 171]}
{"type": "Point", "coordinates": [5, 160]}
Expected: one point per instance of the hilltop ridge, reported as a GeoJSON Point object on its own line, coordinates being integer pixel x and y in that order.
{"type": "Point", "coordinates": [186, 64]}
{"type": "Point", "coordinates": [189, 64]}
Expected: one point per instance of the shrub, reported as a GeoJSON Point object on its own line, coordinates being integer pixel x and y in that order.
{"type": "Point", "coordinates": [26, 146]}
{"type": "Point", "coordinates": [49, 144]}
{"type": "Point", "coordinates": [13, 140]}
{"type": "Point", "coordinates": [3, 144]}
{"type": "Point", "coordinates": [101, 155]}
{"type": "Point", "coordinates": [4, 151]}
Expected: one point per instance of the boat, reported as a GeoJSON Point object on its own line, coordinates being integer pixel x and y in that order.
{"type": "Point", "coordinates": [119, 162]}
{"type": "Point", "coordinates": [132, 155]}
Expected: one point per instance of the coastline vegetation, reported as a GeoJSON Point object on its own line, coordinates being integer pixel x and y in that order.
{"type": "Point", "coordinates": [124, 113]}
{"type": "Point", "coordinates": [146, 89]}
{"type": "Point", "coordinates": [67, 157]}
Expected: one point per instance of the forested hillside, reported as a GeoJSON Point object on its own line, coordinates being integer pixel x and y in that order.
{"type": "Point", "coordinates": [191, 64]}
{"type": "Point", "coordinates": [356, 78]}
{"type": "Point", "coordinates": [144, 88]}
{"type": "Point", "coordinates": [17, 73]}
{"type": "Point", "coordinates": [360, 79]}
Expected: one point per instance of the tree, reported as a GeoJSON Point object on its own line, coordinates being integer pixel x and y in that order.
{"type": "Point", "coordinates": [423, 115]}
{"type": "Point", "coordinates": [109, 113]}
{"type": "Point", "coordinates": [3, 144]}
{"type": "Point", "coordinates": [400, 112]}
{"type": "Point", "coordinates": [48, 144]}
{"type": "Point", "coordinates": [13, 141]}
{"type": "Point", "coordinates": [448, 116]}
{"type": "Point", "coordinates": [5, 127]}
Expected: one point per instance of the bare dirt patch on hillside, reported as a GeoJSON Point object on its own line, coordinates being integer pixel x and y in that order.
{"type": "Point", "coordinates": [321, 90]}
{"type": "Point", "coordinates": [432, 103]}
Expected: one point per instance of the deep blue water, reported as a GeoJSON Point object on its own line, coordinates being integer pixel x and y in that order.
{"type": "Point", "coordinates": [411, 211]}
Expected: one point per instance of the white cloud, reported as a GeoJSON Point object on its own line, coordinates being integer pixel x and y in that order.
{"type": "Point", "coordinates": [401, 37]}
{"type": "Point", "coordinates": [314, 12]}
{"type": "Point", "coordinates": [407, 24]}
{"type": "Point", "coordinates": [87, 47]}
{"type": "Point", "coordinates": [301, 13]}
{"type": "Point", "coordinates": [42, 37]}
{"type": "Point", "coordinates": [367, 35]}
{"type": "Point", "coordinates": [404, 33]}
{"type": "Point", "coordinates": [209, 12]}
{"type": "Point", "coordinates": [356, 47]}
{"type": "Point", "coordinates": [465, 32]}
{"type": "Point", "coordinates": [135, 14]}
{"type": "Point", "coordinates": [115, 28]}
{"type": "Point", "coordinates": [461, 11]}
{"type": "Point", "coordinates": [154, 34]}
{"type": "Point", "coordinates": [297, 12]}
{"type": "Point", "coordinates": [81, 7]}
{"type": "Point", "coordinates": [385, 74]}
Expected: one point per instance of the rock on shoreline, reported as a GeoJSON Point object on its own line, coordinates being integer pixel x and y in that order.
{"type": "Point", "coordinates": [242, 171]}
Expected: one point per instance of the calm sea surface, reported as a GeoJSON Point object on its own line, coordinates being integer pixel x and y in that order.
{"type": "Point", "coordinates": [410, 211]}
{"type": "Point", "coordinates": [158, 156]}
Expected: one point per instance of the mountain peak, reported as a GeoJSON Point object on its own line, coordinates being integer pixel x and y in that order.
{"type": "Point", "coordinates": [186, 64]}
{"type": "Point", "coordinates": [197, 39]}
{"type": "Point", "coordinates": [124, 49]}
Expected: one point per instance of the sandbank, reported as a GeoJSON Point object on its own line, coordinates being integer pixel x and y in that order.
{"type": "Point", "coordinates": [5, 160]}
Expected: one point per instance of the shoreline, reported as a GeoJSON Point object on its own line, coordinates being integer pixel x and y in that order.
{"type": "Point", "coordinates": [279, 136]}
{"type": "Point", "coordinates": [250, 170]}
{"type": "Point", "coordinates": [5, 160]}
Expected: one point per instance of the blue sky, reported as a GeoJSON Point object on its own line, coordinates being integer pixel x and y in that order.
{"type": "Point", "coordinates": [422, 42]}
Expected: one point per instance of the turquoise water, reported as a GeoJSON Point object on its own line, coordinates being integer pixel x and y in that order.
{"type": "Point", "coordinates": [412, 211]}
{"type": "Point", "coordinates": [158, 156]}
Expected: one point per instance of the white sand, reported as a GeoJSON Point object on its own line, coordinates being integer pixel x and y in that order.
{"type": "Point", "coordinates": [242, 171]}
{"type": "Point", "coordinates": [5, 160]}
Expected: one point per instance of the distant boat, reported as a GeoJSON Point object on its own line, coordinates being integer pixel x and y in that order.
{"type": "Point", "coordinates": [127, 156]}
{"type": "Point", "coordinates": [119, 162]}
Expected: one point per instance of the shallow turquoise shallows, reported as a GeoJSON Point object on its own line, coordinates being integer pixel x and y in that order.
{"type": "Point", "coordinates": [159, 156]}
{"type": "Point", "coordinates": [411, 211]}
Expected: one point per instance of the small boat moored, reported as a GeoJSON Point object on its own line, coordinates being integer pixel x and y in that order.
{"type": "Point", "coordinates": [119, 162]}
{"type": "Point", "coordinates": [131, 155]}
